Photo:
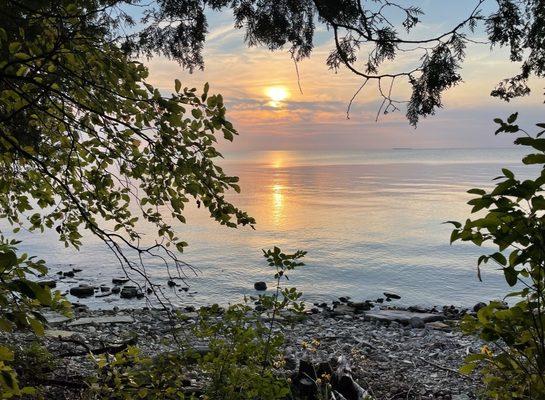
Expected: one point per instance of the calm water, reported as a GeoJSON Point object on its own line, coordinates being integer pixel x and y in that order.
{"type": "Point", "coordinates": [370, 221]}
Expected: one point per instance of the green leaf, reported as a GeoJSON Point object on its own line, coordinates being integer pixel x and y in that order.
{"type": "Point", "coordinates": [177, 85]}
{"type": "Point", "coordinates": [511, 276]}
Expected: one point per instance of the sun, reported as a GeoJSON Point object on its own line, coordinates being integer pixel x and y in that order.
{"type": "Point", "coordinates": [277, 93]}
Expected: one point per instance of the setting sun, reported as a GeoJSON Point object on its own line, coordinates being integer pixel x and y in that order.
{"type": "Point", "coordinates": [277, 93]}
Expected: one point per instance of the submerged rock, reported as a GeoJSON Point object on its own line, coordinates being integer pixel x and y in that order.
{"type": "Point", "coordinates": [260, 286]}
{"type": "Point", "coordinates": [120, 281]}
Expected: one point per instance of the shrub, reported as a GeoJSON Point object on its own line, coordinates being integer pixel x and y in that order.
{"type": "Point", "coordinates": [243, 358]}
{"type": "Point", "coordinates": [513, 221]}
{"type": "Point", "coordinates": [21, 302]}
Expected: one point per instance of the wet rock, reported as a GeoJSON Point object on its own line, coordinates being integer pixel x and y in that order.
{"type": "Point", "coordinates": [391, 296]}
{"type": "Point", "coordinates": [104, 288]}
{"type": "Point", "coordinates": [120, 281]}
{"type": "Point", "coordinates": [171, 283]}
{"type": "Point", "coordinates": [116, 289]}
{"type": "Point", "coordinates": [82, 291]}
{"type": "Point", "coordinates": [344, 299]}
{"type": "Point", "coordinates": [68, 274]}
{"type": "Point", "coordinates": [104, 294]}
{"type": "Point", "coordinates": [260, 286]}
{"type": "Point", "coordinates": [128, 292]}
{"type": "Point", "coordinates": [76, 270]}
{"type": "Point", "coordinates": [478, 306]}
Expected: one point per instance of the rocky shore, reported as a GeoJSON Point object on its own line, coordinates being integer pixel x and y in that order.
{"type": "Point", "coordinates": [392, 353]}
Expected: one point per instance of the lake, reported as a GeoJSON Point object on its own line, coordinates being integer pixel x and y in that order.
{"type": "Point", "coordinates": [371, 222]}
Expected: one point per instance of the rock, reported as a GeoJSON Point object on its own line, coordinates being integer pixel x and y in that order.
{"type": "Point", "coordinates": [343, 309]}
{"type": "Point", "coordinates": [120, 281]}
{"type": "Point", "coordinates": [116, 289]}
{"type": "Point", "coordinates": [54, 318]}
{"type": "Point", "coordinates": [103, 294]}
{"type": "Point", "coordinates": [82, 291]}
{"type": "Point", "coordinates": [149, 290]}
{"type": "Point", "coordinates": [116, 319]}
{"type": "Point", "coordinates": [171, 283]}
{"type": "Point", "coordinates": [360, 306]}
{"type": "Point", "coordinates": [417, 322]}
{"type": "Point", "coordinates": [260, 286]}
{"type": "Point", "coordinates": [401, 316]}
{"type": "Point", "coordinates": [47, 283]}
{"type": "Point", "coordinates": [76, 270]}
{"type": "Point", "coordinates": [437, 325]}
{"type": "Point", "coordinates": [128, 292]}
{"type": "Point", "coordinates": [344, 299]}
{"type": "Point", "coordinates": [478, 306]}
{"type": "Point", "coordinates": [55, 333]}
{"type": "Point", "coordinates": [391, 296]}
{"type": "Point", "coordinates": [380, 300]}
{"type": "Point", "coordinates": [461, 396]}
{"type": "Point", "coordinates": [104, 288]}
{"type": "Point", "coordinates": [69, 274]}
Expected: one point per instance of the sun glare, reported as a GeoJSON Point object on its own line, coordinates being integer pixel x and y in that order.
{"type": "Point", "coordinates": [277, 94]}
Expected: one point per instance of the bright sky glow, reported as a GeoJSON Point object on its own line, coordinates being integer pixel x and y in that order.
{"type": "Point", "coordinates": [266, 105]}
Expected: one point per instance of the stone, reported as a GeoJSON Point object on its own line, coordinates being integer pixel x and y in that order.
{"type": "Point", "coordinates": [76, 270]}
{"type": "Point", "coordinates": [82, 291]}
{"type": "Point", "coordinates": [54, 318]}
{"type": "Point", "coordinates": [104, 294]}
{"type": "Point", "coordinates": [56, 333]}
{"type": "Point", "coordinates": [69, 274]}
{"type": "Point", "coordinates": [391, 296]}
{"type": "Point", "coordinates": [116, 319]}
{"type": "Point", "coordinates": [116, 289]}
{"type": "Point", "coordinates": [401, 316]}
{"type": "Point", "coordinates": [260, 286]}
{"type": "Point", "coordinates": [478, 306]}
{"type": "Point", "coordinates": [417, 322]}
{"type": "Point", "coordinates": [344, 299]}
{"type": "Point", "coordinates": [104, 288]}
{"type": "Point", "coordinates": [120, 281]}
{"type": "Point", "coordinates": [343, 309]}
{"type": "Point", "coordinates": [128, 292]}
{"type": "Point", "coordinates": [171, 283]}
{"type": "Point", "coordinates": [437, 325]}
{"type": "Point", "coordinates": [47, 283]}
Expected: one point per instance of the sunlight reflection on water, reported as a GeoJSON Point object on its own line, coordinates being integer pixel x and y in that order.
{"type": "Point", "coordinates": [370, 221]}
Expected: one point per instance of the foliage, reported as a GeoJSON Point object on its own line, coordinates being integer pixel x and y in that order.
{"type": "Point", "coordinates": [513, 217]}
{"type": "Point", "coordinates": [21, 301]}
{"type": "Point", "coordinates": [242, 360]}
{"type": "Point", "coordinates": [86, 142]}
{"type": "Point", "coordinates": [245, 351]}
{"type": "Point", "coordinates": [366, 34]}
{"type": "Point", "coordinates": [130, 375]}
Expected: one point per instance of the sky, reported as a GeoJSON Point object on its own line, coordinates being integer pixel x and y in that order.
{"type": "Point", "coordinates": [315, 119]}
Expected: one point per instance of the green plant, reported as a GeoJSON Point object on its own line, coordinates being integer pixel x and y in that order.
{"type": "Point", "coordinates": [513, 220]}
{"type": "Point", "coordinates": [245, 351]}
{"type": "Point", "coordinates": [129, 375]}
{"type": "Point", "coordinates": [21, 302]}
{"type": "Point", "coordinates": [242, 360]}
